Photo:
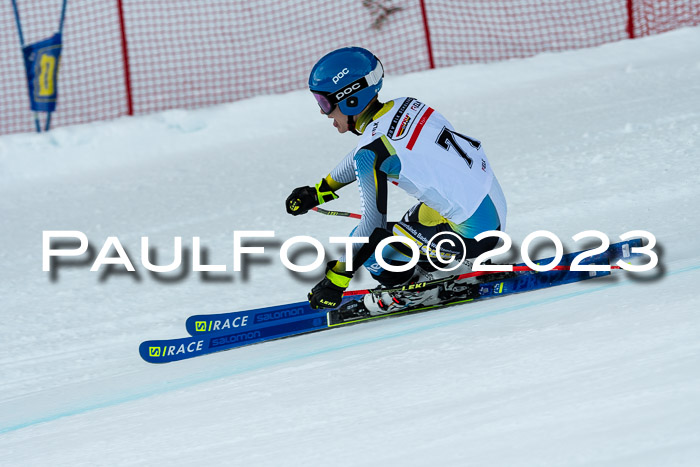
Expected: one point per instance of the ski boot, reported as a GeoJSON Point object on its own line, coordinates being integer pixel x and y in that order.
{"type": "Point", "coordinates": [349, 311]}
{"type": "Point", "coordinates": [381, 303]}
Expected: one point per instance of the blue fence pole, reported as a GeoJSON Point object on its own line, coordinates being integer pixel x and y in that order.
{"type": "Point", "coordinates": [21, 45]}
{"type": "Point", "coordinates": [63, 16]}
{"type": "Point", "coordinates": [60, 31]}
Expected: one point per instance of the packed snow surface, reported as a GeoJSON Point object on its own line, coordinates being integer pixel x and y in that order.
{"type": "Point", "coordinates": [602, 373]}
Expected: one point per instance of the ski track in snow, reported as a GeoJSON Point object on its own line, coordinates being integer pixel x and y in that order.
{"type": "Point", "coordinates": [598, 373]}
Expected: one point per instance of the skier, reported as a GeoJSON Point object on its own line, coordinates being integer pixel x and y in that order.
{"type": "Point", "coordinates": [405, 141]}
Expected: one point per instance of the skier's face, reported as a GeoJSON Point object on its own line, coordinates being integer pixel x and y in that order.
{"type": "Point", "coordinates": [340, 121]}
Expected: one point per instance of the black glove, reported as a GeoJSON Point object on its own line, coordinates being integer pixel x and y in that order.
{"type": "Point", "coordinates": [305, 197]}
{"type": "Point", "coordinates": [301, 200]}
{"type": "Point", "coordinates": [329, 292]}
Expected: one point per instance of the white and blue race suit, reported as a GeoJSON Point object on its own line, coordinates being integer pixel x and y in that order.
{"type": "Point", "coordinates": [410, 144]}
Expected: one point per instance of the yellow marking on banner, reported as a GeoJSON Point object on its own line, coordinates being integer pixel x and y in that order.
{"type": "Point", "coordinates": [47, 87]}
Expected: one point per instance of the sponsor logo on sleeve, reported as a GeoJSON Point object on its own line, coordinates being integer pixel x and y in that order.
{"type": "Point", "coordinates": [402, 127]}
{"type": "Point", "coordinates": [404, 119]}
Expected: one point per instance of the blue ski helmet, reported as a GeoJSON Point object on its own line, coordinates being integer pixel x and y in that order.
{"type": "Point", "coordinates": [349, 77]}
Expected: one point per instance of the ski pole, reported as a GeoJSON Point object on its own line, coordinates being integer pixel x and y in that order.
{"type": "Point", "coordinates": [337, 213]}
{"type": "Point", "coordinates": [470, 274]}
{"type": "Point", "coordinates": [341, 213]}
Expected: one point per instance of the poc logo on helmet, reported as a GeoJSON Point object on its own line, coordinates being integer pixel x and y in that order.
{"type": "Point", "coordinates": [340, 95]}
{"type": "Point", "coordinates": [340, 75]}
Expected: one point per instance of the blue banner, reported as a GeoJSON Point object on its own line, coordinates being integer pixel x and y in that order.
{"type": "Point", "coordinates": [41, 61]}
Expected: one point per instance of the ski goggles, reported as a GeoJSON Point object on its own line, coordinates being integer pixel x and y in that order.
{"type": "Point", "coordinates": [323, 102]}
{"type": "Point", "coordinates": [327, 101]}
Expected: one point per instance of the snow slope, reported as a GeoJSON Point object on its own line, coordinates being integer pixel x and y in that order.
{"type": "Point", "coordinates": [604, 373]}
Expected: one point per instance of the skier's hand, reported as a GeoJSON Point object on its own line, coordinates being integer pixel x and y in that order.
{"type": "Point", "coordinates": [301, 200]}
{"type": "Point", "coordinates": [305, 197]}
{"type": "Point", "coordinates": [329, 292]}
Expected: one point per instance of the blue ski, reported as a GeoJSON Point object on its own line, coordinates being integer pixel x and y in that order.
{"type": "Point", "coordinates": [170, 350]}
{"type": "Point", "coordinates": [213, 333]}
{"type": "Point", "coordinates": [199, 325]}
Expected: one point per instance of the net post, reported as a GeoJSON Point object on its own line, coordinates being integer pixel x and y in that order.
{"type": "Point", "coordinates": [426, 28]}
{"type": "Point", "coordinates": [125, 58]}
{"type": "Point", "coordinates": [630, 18]}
